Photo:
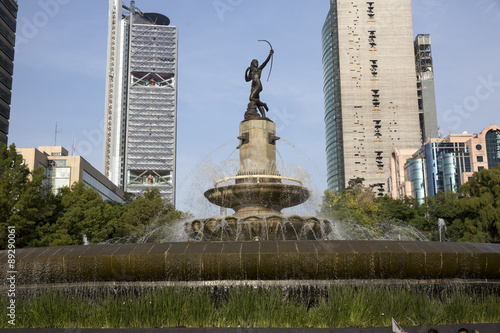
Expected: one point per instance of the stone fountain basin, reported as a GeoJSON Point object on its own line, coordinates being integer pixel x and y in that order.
{"type": "Point", "coordinates": [272, 260]}
{"type": "Point", "coordinates": [261, 227]}
{"type": "Point", "coordinates": [258, 198]}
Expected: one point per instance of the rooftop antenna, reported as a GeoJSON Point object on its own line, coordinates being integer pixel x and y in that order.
{"type": "Point", "coordinates": [55, 134]}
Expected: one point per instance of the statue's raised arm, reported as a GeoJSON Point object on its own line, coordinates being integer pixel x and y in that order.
{"type": "Point", "coordinates": [267, 59]}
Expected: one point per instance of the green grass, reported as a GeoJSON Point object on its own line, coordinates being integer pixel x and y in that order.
{"type": "Point", "coordinates": [346, 306]}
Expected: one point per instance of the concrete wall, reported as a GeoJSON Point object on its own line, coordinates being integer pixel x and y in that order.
{"type": "Point", "coordinates": [366, 154]}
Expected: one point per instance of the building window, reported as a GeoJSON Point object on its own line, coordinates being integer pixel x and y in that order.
{"type": "Point", "coordinates": [57, 163]}
{"type": "Point", "coordinates": [479, 147]}
{"type": "Point", "coordinates": [61, 172]}
{"type": "Point", "coordinates": [58, 183]}
{"type": "Point", "coordinates": [493, 148]}
{"type": "Point", "coordinates": [58, 176]}
{"type": "Point", "coordinates": [153, 79]}
{"type": "Point", "coordinates": [480, 168]}
{"type": "Point", "coordinates": [479, 158]}
{"type": "Point", "coordinates": [149, 177]}
{"type": "Point", "coordinates": [105, 192]}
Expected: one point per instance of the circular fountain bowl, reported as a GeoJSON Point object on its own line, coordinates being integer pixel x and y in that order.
{"type": "Point", "coordinates": [257, 198]}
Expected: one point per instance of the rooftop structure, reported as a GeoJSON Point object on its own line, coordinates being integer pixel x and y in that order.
{"type": "Point", "coordinates": [425, 87]}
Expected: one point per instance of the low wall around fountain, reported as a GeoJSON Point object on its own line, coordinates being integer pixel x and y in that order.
{"type": "Point", "coordinates": [261, 261]}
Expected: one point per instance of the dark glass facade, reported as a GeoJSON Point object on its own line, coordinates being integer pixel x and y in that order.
{"type": "Point", "coordinates": [493, 148]}
{"type": "Point", "coordinates": [438, 167]}
{"type": "Point", "coordinates": [333, 105]}
{"type": "Point", "coordinates": [8, 16]}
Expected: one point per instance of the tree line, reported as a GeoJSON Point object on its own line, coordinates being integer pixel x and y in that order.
{"type": "Point", "coordinates": [44, 218]}
{"type": "Point", "coordinates": [471, 215]}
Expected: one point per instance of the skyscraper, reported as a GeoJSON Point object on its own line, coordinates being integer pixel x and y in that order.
{"type": "Point", "coordinates": [369, 88]}
{"type": "Point", "coordinates": [425, 87]}
{"type": "Point", "coordinates": [8, 16]}
{"type": "Point", "coordinates": [141, 101]}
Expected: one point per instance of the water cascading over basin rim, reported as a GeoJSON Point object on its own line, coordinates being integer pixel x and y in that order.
{"type": "Point", "coordinates": [267, 196]}
{"type": "Point", "coordinates": [383, 261]}
{"type": "Point", "coordinates": [258, 227]}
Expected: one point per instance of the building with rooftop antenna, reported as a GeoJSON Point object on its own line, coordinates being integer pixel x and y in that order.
{"type": "Point", "coordinates": [141, 101]}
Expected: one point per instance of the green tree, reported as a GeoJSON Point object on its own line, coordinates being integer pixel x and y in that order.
{"type": "Point", "coordinates": [26, 201]}
{"type": "Point", "coordinates": [42, 218]}
{"type": "Point", "coordinates": [478, 210]}
{"type": "Point", "coordinates": [359, 203]}
{"type": "Point", "coordinates": [442, 205]}
{"type": "Point", "coordinates": [83, 212]}
{"type": "Point", "coordinates": [145, 210]}
{"type": "Point", "coordinates": [406, 210]}
{"type": "Point", "coordinates": [356, 202]}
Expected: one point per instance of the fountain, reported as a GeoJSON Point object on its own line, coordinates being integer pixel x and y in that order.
{"type": "Point", "coordinates": [257, 244]}
{"type": "Point", "coordinates": [259, 192]}
{"type": "Point", "coordinates": [258, 195]}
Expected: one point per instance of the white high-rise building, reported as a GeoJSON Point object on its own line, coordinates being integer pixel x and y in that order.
{"type": "Point", "coordinates": [370, 89]}
{"type": "Point", "coordinates": [141, 101]}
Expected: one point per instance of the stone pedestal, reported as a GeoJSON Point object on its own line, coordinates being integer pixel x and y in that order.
{"type": "Point", "coordinates": [257, 148]}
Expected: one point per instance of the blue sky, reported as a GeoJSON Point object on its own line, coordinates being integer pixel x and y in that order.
{"type": "Point", "coordinates": [60, 68]}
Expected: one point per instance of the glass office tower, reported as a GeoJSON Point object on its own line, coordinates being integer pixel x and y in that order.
{"type": "Point", "coordinates": [141, 101]}
{"type": "Point", "coordinates": [8, 16]}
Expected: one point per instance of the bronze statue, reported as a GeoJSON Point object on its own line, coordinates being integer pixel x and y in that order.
{"type": "Point", "coordinates": [253, 74]}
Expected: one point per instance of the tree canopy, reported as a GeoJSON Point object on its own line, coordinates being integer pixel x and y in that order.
{"type": "Point", "coordinates": [43, 218]}
{"type": "Point", "coordinates": [26, 201]}
{"type": "Point", "coordinates": [472, 215]}
{"type": "Point", "coordinates": [478, 211]}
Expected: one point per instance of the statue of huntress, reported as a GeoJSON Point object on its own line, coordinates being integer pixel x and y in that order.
{"type": "Point", "coordinates": [253, 74]}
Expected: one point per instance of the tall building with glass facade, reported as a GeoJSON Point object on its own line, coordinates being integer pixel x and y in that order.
{"type": "Point", "coordinates": [141, 101]}
{"type": "Point", "coordinates": [369, 88]}
{"type": "Point", "coordinates": [439, 166]}
{"type": "Point", "coordinates": [8, 16]}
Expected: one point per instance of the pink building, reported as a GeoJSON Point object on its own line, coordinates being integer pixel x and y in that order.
{"type": "Point", "coordinates": [442, 164]}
